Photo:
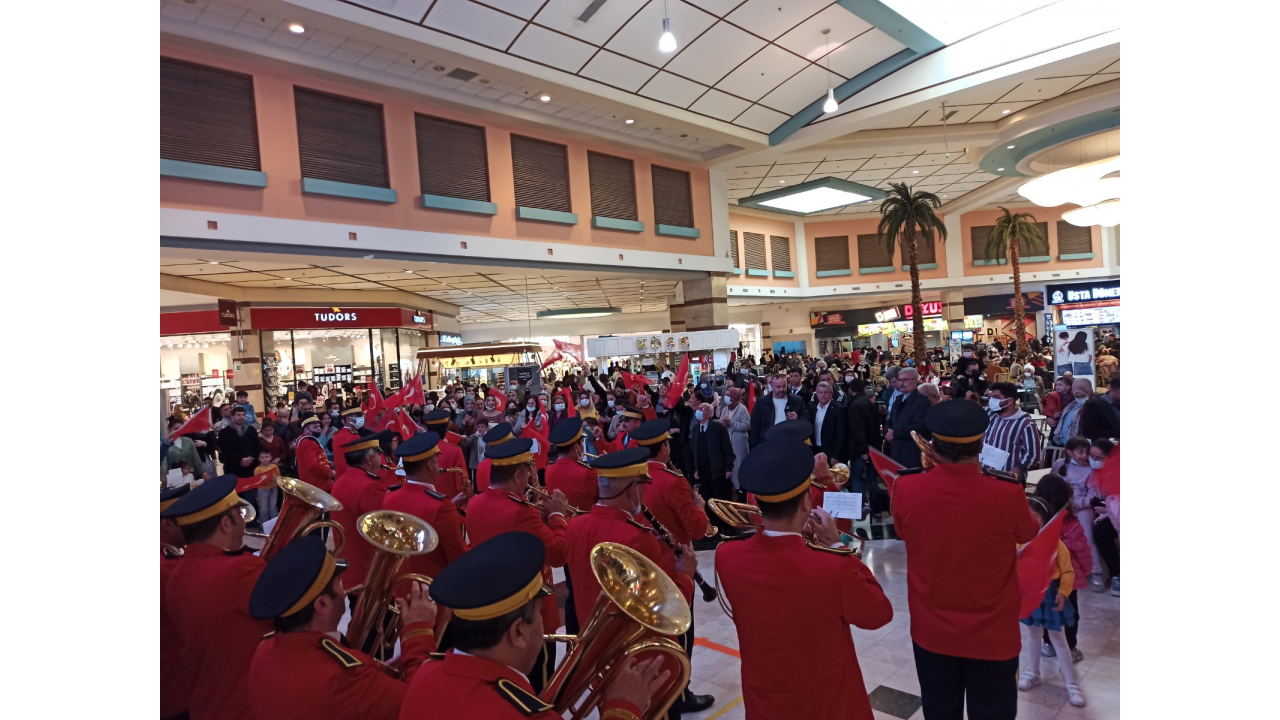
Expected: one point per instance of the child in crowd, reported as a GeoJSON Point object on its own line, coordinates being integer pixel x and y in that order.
{"type": "Point", "coordinates": [266, 494]}
{"type": "Point", "coordinates": [1078, 471]}
{"type": "Point", "coordinates": [1055, 612]}
{"type": "Point", "coordinates": [1058, 492]}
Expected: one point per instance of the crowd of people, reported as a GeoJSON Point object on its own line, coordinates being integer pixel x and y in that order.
{"type": "Point", "coordinates": [617, 457]}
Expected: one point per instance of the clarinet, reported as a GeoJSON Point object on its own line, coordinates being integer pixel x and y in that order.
{"type": "Point", "coordinates": [708, 592]}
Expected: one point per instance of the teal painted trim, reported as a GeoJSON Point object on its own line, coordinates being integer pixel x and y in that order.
{"type": "Point", "coordinates": [1024, 146]}
{"type": "Point", "coordinates": [677, 231]}
{"type": "Point", "coordinates": [212, 173]}
{"type": "Point", "coordinates": [783, 274]}
{"type": "Point", "coordinates": [1076, 256]}
{"type": "Point", "coordinates": [737, 271]}
{"type": "Point", "coordinates": [1001, 261]}
{"type": "Point", "coordinates": [834, 273]}
{"type": "Point", "coordinates": [874, 270]}
{"type": "Point", "coordinates": [926, 266]}
{"type": "Point", "coordinates": [442, 202]}
{"type": "Point", "coordinates": [348, 190]}
{"type": "Point", "coordinates": [551, 216]}
{"type": "Point", "coordinates": [757, 273]}
{"type": "Point", "coordinates": [846, 90]}
{"type": "Point", "coordinates": [888, 21]}
{"type": "Point", "coordinates": [1035, 259]}
{"type": "Point", "coordinates": [608, 223]}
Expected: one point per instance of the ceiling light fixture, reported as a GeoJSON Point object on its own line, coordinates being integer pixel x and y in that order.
{"type": "Point", "coordinates": [213, 262]}
{"type": "Point", "coordinates": [1087, 184]}
{"type": "Point", "coordinates": [814, 196]}
{"type": "Point", "coordinates": [830, 105]}
{"type": "Point", "coordinates": [666, 43]}
{"type": "Point", "coordinates": [578, 313]}
{"type": "Point", "coordinates": [999, 169]}
{"type": "Point", "coordinates": [915, 172]}
{"type": "Point", "coordinates": [1005, 112]}
{"type": "Point", "coordinates": [409, 271]}
{"type": "Point", "coordinates": [296, 28]}
{"type": "Point", "coordinates": [545, 98]}
{"type": "Point", "coordinates": [629, 121]}
{"type": "Point", "coordinates": [1010, 147]}
{"type": "Point", "coordinates": [1106, 214]}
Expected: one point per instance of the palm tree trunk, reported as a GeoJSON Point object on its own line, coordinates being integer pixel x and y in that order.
{"type": "Point", "coordinates": [1019, 324]}
{"type": "Point", "coordinates": [917, 315]}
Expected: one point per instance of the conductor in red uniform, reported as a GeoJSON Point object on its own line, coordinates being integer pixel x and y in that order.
{"type": "Point", "coordinates": [313, 464]}
{"type": "Point", "coordinates": [174, 683]}
{"type": "Point", "coordinates": [418, 497]}
{"type": "Point", "coordinates": [793, 599]}
{"type": "Point", "coordinates": [452, 475]}
{"type": "Point", "coordinates": [494, 592]}
{"type": "Point", "coordinates": [207, 599]}
{"type": "Point", "coordinates": [304, 671]}
{"type": "Point", "coordinates": [961, 525]}
{"type": "Point", "coordinates": [352, 422]}
{"type": "Point", "coordinates": [503, 507]}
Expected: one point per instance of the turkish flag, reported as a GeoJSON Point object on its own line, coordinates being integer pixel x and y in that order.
{"type": "Point", "coordinates": [407, 427]}
{"type": "Point", "coordinates": [1036, 561]}
{"type": "Point", "coordinates": [253, 482]}
{"type": "Point", "coordinates": [413, 394]}
{"type": "Point", "coordinates": [540, 457]}
{"type": "Point", "coordinates": [678, 383]}
{"type": "Point", "coordinates": [569, 404]}
{"type": "Point", "coordinates": [569, 350]}
{"type": "Point", "coordinates": [1108, 478]}
{"type": "Point", "coordinates": [197, 423]}
{"type": "Point", "coordinates": [887, 467]}
{"type": "Point", "coordinates": [499, 397]}
{"type": "Point", "coordinates": [373, 404]}
{"type": "Point", "coordinates": [751, 397]}
{"type": "Point", "coordinates": [553, 357]}
{"type": "Point", "coordinates": [386, 421]}
{"type": "Point", "coordinates": [453, 438]}
{"type": "Point", "coordinates": [633, 381]}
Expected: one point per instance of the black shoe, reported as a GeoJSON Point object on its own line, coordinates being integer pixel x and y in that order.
{"type": "Point", "coordinates": [706, 543]}
{"type": "Point", "coordinates": [694, 703]}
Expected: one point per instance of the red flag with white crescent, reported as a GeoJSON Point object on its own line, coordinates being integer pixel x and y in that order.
{"type": "Point", "coordinates": [679, 381]}
{"type": "Point", "coordinates": [887, 467]}
{"type": "Point", "coordinates": [1036, 563]}
{"type": "Point", "coordinates": [253, 482]}
{"type": "Point", "coordinates": [197, 423]}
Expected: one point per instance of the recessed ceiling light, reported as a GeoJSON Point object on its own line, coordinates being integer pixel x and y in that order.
{"type": "Point", "coordinates": [629, 121]}
{"type": "Point", "coordinates": [999, 169]}
{"type": "Point", "coordinates": [213, 262]}
{"type": "Point", "coordinates": [782, 182]}
{"type": "Point", "coordinates": [1010, 147]}
{"type": "Point", "coordinates": [296, 28]}
{"type": "Point", "coordinates": [545, 98]}
{"type": "Point", "coordinates": [409, 271]}
{"type": "Point", "coordinates": [1005, 112]}
{"type": "Point", "coordinates": [944, 196]}
{"type": "Point", "coordinates": [915, 172]}
{"type": "Point", "coordinates": [288, 278]}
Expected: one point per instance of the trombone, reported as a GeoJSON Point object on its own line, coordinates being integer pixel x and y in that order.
{"type": "Point", "coordinates": [928, 458]}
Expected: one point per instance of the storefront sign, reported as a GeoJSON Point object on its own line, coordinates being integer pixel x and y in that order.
{"type": "Point", "coordinates": [227, 316]}
{"type": "Point", "coordinates": [336, 317]}
{"type": "Point", "coordinates": [818, 319]}
{"type": "Point", "coordinates": [930, 325]}
{"type": "Point", "coordinates": [420, 319]}
{"type": "Point", "coordinates": [1084, 292]}
{"type": "Point", "coordinates": [1002, 304]}
{"type": "Point", "coordinates": [450, 339]}
{"type": "Point", "coordinates": [1091, 316]}
{"type": "Point", "coordinates": [888, 315]}
{"type": "Point", "coordinates": [972, 322]}
{"type": "Point", "coordinates": [929, 308]}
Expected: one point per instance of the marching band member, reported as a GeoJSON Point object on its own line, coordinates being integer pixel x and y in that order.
{"type": "Point", "coordinates": [418, 497]}
{"type": "Point", "coordinates": [173, 673]}
{"type": "Point", "coordinates": [360, 490]}
{"type": "Point", "coordinates": [962, 524]}
{"type": "Point", "coordinates": [793, 600]}
{"type": "Point", "coordinates": [572, 475]}
{"type": "Point", "coordinates": [497, 631]}
{"type": "Point", "coordinates": [207, 599]}
{"type": "Point", "coordinates": [448, 483]}
{"type": "Point", "coordinates": [503, 507]}
{"type": "Point", "coordinates": [497, 435]}
{"type": "Point", "coordinates": [304, 671]}
{"type": "Point", "coordinates": [624, 423]}
{"type": "Point", "coordinates": [352, 422]}
{"type": "Point", "coordinates": [313, 464]}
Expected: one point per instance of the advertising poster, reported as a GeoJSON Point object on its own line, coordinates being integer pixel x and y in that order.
{"type": "Point", "coordinates": [1073, 350]}
{"type": "Point", "coordinates": [524, 376]}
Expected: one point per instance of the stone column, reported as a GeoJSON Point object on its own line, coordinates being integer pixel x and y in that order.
{"type": "Point", "coordinates": [706, 304]}
{"type": "Point", "coordinates": [247, 363]}
{"type": "Point", "coordinates": [953, 310]}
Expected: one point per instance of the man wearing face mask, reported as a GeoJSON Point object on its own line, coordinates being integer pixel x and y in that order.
{"type": "Point", "coordinates": [1011, 441]}
{"type": "Point", "coordinates": [352, 422]}
{"type": "Point", "coordinates": [313, 464]}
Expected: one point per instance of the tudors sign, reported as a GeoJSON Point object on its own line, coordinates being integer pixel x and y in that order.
{"type": "Point", "coordinates": [336, 316]}
{"type": "Point", "coordinates": [300, 318]}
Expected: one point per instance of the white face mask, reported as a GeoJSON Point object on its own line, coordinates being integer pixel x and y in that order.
{"type": "Point", "coordinates": [967, 354]}
{"type": "Point", "coordinates": [531, 408]}
{"type": "Point", "coordinates": [1095, 464]}
{"type": "Point", "coordinates": [559, 407]}
{"type": "Point", "coordinates": [994, 404]}
{"type": "Point", "coordinates": [848, 378]}
{"type": "Point", "coordinates": [359, 422]}
{"type": "Point", "coordinates": [584, 402]}
{"type": "Point", "coordinates": [1080, 400]}
{"type": "Point", "coordinates": [428, 408]}
{"type": "Point", "coordinates": [610, 403]}
{"type": "Point", "coordinates": [697, 415]}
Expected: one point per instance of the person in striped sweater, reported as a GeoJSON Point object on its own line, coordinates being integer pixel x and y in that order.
{"type": "Point", "coordinates": [1011, 432]}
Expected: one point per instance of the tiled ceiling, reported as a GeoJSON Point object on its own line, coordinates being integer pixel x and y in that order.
{"type": "Point", "coordinates": [753, 64]}
{"type": "Point", "coordinates": [483, 295]}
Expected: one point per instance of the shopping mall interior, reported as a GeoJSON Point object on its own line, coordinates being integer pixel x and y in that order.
{"type": "Point", "coordinates": [372, 199]}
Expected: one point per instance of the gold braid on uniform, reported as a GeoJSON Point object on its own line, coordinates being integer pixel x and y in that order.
{"type": "Point", "coordinates": [416, 633]}
{"type": "Point", "coordinates": [618, 714]}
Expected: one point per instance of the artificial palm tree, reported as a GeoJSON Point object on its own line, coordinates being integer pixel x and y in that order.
{"type": "Point", "coordinates": [910, 217]}
{"type": "Point", "coordinates": [1010, 230]}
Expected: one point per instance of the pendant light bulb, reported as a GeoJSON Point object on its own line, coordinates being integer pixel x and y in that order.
{"type": "Point", "coordinates": [667, 43]}
{"type": "Point", "coordinates": [830, 105]}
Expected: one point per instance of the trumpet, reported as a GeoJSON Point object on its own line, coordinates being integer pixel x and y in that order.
{"type": "Point", "coordinates": [839, 478]}
{"type": "Point", "coordinates": [928, 458]}
{"type": "Point", "coordinates": [638, 611]}
{"type": "Point", "coordinates": [394, 537]}
{"type": "Point", "coordinates": [537, 497]}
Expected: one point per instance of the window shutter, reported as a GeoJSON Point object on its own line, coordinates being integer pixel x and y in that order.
{"type": "Point", "coordinates": [733, 244]}
{"type": "Point", "coordinates": [1025, 251]}
{"type": "Point", "coordinates": [1074, 239]}
{"type": "Point", "coordinates": [673, 198]}
{"type": "Point", "coordinates": [978, 236]}
{"type": "Point", "coordinates": [832, 253]}
{"type": "Point", "coordinates": [207, 116]}
{"type": "Point", "coordinates": [872, 252]}
{"type": "Point", "coordinates": [780, 252]}
{"type": "Point", "coordinates": [541, 174]}
{"type": "Point", "coordinates": [925, 252]}
{"type": "Point", "coordinates": [613, 186]}
{"type": "Point", "coordinates": [341, 139]}
{"type": "Point", "coordinates": [453, 158]}
{"type": "Point", "coordinates": [753, 247]}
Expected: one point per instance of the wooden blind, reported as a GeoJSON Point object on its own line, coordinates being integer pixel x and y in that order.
{"type": "Point", "coordinates": [541, 174]}
{"type": "Point", "coordinates": [780, 252]}
{"type": "Point", "coordinates": [978, 235]}
{"type": "Point", "coordinates": [672, 197]}
{"type": "Point", "coordinates": [613, 186]}
{"type": "Point", "coordinates": [1025, 250]}
{"type": "Point", "coordinates": [832, 253]}
{"type": "Point", "coordinates": [753, 248]}
{"type": "Point", "coordinates": [207, 116]}
{"type": "Point", "coordinates": [733, 248]}
{"type": "Point", "coordinates": [453, 158]}
{"type": "Point", "coordinates": [1074, 239]}
{"type": "Point", "coordinates": [925, 253]}
{"type": "Point", "coordinates": [341, 139]}
{"type": "Point", "coordinates": [872, 252]}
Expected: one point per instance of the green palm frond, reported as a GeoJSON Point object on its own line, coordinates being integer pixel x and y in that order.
{"type": "Point", "coordinates": [1009, 229]}
{"type": "Point", "coordinates": [902, 208]}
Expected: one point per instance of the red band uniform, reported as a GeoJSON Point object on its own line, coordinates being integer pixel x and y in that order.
{"type": "Point", "coordinates": [419, 499]}
{"type": "Point", "coordinates": [359, 492]}
{"type": "Point", "coordinates": [344, 436]}
{"type": "Point", "coordinates": [313, 465]}
{"type": "Point", "coordinates": [174, 680]}
{"type": "Point", "coordinates": [496, 435]}
{"type": "Point", "coordinates": [447, 483]}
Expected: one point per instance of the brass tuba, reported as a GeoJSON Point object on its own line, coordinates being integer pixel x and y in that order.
{"type": "Point", "coordinates": [302, 504]}
{"type": "Point", "coordinates": [394, 537]}
{"type": "Point", "coordinates": [927, 456]}
{"type": "Point", "coordinates": [638, 612]}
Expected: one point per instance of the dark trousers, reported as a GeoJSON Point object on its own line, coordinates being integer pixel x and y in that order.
{"type": "Point", "coordinates": [1071, 631]}
{"type": "Point", "coordinates": [715, 486]}
{"type": "Point", "coordinates": [543, 667]}
{"type": "Point", "coordinates": [571, 626]}
{"type": "Point", "coordinates": [990, 686]}
{"type": "Point", "coordinates": [1108, 542]}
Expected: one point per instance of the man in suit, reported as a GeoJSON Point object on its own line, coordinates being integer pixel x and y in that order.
{"type": "Point", "coordinates": [905, 415]}
{"type": "Point", "coordinates": [830, 425]}
{"type": "Point", "coordinates": [778, 406]}
{"type": "Point", "coordinates": [710, 454]}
